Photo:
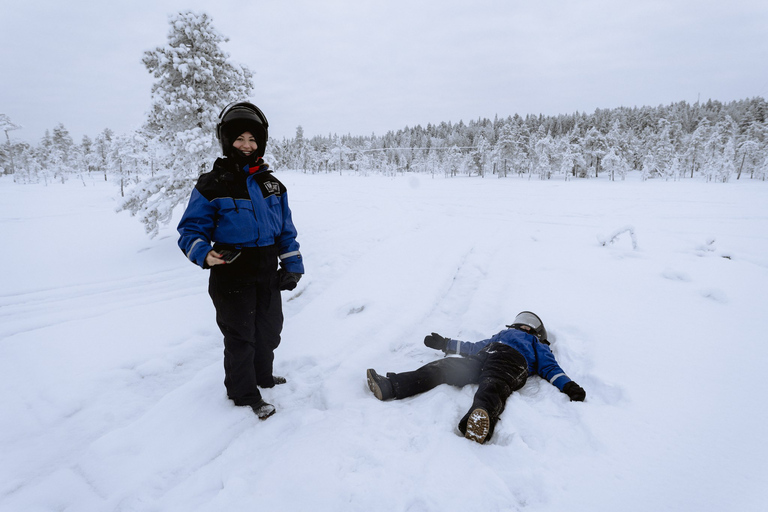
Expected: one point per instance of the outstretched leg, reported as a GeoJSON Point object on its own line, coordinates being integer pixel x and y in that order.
{"type": "Point", "coordinates": [450, 370]}
{"type": "Point", "coordinates": [456, 371]}
{"type": "Point", "coordinates": [505, 370]}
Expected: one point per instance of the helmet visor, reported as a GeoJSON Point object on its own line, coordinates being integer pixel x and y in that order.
{"type": "Point", "coordinates": [529, 319]}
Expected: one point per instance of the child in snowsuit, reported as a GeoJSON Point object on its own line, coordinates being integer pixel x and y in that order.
{"type": "Point", "coordinates": [242, 209]}
{"type": "Point", "coordinates": [500, 365]}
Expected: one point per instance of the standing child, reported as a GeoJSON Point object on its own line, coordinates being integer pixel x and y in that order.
{"type": "Point", "coordinates": [242, 209]}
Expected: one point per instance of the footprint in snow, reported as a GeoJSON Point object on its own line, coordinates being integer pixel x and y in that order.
{"type": "Point", "coordinates": [715, 295]}
{"type": "Point", "coordinates": [673, 275]}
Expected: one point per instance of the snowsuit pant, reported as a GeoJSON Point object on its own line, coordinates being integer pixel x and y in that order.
{"type": "Point", "coordinates": [498, 369]}
{"type": "Point", "coordinates": [249, 313]}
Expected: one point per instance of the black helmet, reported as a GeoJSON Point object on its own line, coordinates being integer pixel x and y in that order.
{"type": "Point", "coordinates": [533, 321]}
{"type": "Point", "coordinates": [239, 117]}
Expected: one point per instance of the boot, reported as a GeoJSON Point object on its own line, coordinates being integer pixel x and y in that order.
{"type": "Point", "coordinates": [380, 386]}
{"type": "Point", "coordinates": [263, 410]}
{"type": "Point", "coordinates": [477, 425]}
{"type": "Point", "coordinates": [276, 380]}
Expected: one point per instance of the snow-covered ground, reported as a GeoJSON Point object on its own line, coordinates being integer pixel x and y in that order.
{"type": "Point", "coordinates": [111, 393]}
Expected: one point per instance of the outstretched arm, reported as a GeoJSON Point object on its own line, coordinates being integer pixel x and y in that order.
{"type": "Point", "coordinates": [449, 346]}
{"type": "Point", "coordinates": [550, 370]}
{"type": "Point", "coordinates": [575, 392]}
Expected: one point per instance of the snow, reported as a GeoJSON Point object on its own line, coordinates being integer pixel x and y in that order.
{"type": "Point", "coordinates": [111, 362]}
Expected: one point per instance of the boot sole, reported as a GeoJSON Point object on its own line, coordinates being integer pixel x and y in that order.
{"type": "Point", "coordinates": [373, 386]}
{"type": "Point", "coordinates": [478, 426]}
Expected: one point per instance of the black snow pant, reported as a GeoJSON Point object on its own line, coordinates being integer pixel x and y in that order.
{"type": "Point", "coordinates": [498, 369]}
{"type": "Point", "coordinates": [249, 313]}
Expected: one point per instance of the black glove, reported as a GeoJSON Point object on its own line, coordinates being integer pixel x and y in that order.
{"type": "Point", "coordinates": [575, 392]}
{"type": "Point", "coordinates": [288, 280]}
{"type": "Point", "coordinates": [436, 341]}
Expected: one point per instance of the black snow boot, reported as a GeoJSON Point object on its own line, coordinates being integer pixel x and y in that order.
{"type": "Point", "coordinates": [276, 381]}
{"type": "Point", "coordinates": [263, 410]}
{"type": "Point", "coordinates": [380, 386]}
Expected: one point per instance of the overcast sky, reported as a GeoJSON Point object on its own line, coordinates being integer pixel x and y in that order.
{"type": "Point", "coordinates": [362, 67]}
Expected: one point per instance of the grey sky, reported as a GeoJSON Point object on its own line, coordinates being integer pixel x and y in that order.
{"type": "Point", "coordinates": [359, 67]}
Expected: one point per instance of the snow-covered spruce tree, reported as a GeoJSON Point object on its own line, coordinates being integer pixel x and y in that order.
{"type": "Point", "coordinates": [60, 153]}
{"type": "Point", "coordinates": [102, 148]}
{"type": "Point", "coordinates": [694, 154]}
{"type": "Point", "coordinates": [481, 154]}
{"type": "Point", "coordinates": [614, 163]}
{"type": "Point", "coordinates": [594, 148]}
{"type": "Point", "coordinates": [88, 156]}
{"type": "Point", "coordinates": [6, 125]}
{"type": "Point", "coordinates": [194, 81]}
{"type": "Point", "coordinates": [663, 149]}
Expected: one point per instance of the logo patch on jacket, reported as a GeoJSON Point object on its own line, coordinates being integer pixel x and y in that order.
{"type": "Point", "coordinates": [271, 187]}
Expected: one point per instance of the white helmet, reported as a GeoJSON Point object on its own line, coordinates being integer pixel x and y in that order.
{"type": "Point", "coordinates": [533, 321]}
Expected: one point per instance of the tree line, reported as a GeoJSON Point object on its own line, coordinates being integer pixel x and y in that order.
{"type": "Point", "coordinates": [713, 140]}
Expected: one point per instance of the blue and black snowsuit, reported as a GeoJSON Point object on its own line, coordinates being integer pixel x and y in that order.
{"type": "Point", "coordinates": [244, 209]}
{"type": "Point", "coordinates": [500, 365]}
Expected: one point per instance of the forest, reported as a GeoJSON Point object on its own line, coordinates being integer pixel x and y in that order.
{"type": "Point", "coordinates": [712, 140]}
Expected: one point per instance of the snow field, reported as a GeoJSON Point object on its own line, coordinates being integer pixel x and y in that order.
{"type": "Point", "coordinates": [111, 376]}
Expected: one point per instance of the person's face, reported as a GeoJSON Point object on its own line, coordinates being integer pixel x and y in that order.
{"type": "Point", "coordinates": [245, 143]}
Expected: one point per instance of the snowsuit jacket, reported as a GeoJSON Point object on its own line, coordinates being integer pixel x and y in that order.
{"type": "Point", "coordinates": [232, 208]}
{"type": "Point", "coordinates": [541, 361]}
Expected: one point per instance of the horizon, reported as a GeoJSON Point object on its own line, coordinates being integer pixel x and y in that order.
{"type": "Point", "coordinates": [425, 125]}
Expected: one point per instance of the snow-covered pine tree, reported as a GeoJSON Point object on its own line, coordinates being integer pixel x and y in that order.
{"type": "Point", "coordinates": [300, 150]}
{"type": "Point", "coordinates": [7, 125]}
{"type": "Point", "coordinates": [614, 163]}
{"type": "Point", "coordinates": [102, 148]}
{"type": "Point", "coordinates": [572, 161]}
{"type": "Point", "coordinates": [594, 147]}
{"type": "Point", "coordinates": [695, 153]}
{"type": "Point", "coordinates": [544, 155]}
{"type": "Point", "coordinates": [481, 153]}
{"type": "Point", "coordinates": [455, 163]}
{"type": "Point", "coordinates": [663, 149]}
{"type": "Point", "coordinates": [60, 153]}
{"type": "Point", "coordinates": [751, 148]}
{"type": "Point", "coordinates": [194, 81]}
{"type": "Point", "coordinates": [88, 156]}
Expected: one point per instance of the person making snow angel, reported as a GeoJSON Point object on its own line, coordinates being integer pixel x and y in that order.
{"type": "Point", "coordinates": [242, 209]}
{"type": "Point", "coordinates": [500, 365]}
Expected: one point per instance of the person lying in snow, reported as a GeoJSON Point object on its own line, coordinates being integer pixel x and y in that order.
{"type": "Point", "coordinates": [500, 365]}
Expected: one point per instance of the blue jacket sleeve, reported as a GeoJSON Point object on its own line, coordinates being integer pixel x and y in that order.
{"type": "Point", "coordinates": [195, 228]}
{"type": "Point", "coordinates": [548, 367]}
{"type": "Point", "coordinates": [290, 257]}
{"type": "Point", "coordinates": [466, 348]}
